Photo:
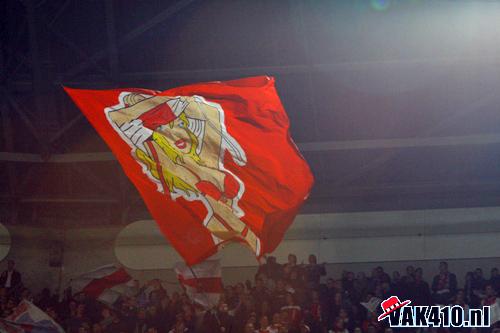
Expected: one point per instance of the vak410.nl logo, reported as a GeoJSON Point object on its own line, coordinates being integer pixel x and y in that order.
{"type": "Point", "coordinates": [402, 315]}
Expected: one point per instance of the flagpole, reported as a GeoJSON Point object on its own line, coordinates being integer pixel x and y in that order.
{"type": "Point", "coordinates": [204, 294]}
{"type": "Point", "coordinates": [197, 285]}
{"type": "Point", "coordinates": [61, 268]}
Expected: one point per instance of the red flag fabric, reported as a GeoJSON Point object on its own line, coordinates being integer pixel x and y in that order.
{"type": "Point", "coordinates": [214, 162]}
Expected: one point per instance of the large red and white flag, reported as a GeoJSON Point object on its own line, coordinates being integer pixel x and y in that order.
{"type": "Point", "coordinates": [202, 282]}
{"type": "Point", "coordinates": [214, 162]}
{"type": "Point", "coordinates": [106, 283]}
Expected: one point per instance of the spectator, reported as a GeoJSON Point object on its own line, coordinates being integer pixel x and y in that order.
{"type": "Point", "coordinates": [421, 294]}
{"type": "Point", "coordinates": [334, 308]}
{"type": "Point", "coordinates": [346, 320]}
{"type": "Point", "coordinates": [371, 323]}
{"type": "Point", "coordinates": [490, 296]}
{"type": "Point", "coordinates": [279, 296]}
{"type": "Point", "coordinates": [276, 325]}
{"type": "Point", "coordinates": [332, 287]}
{"type": "Point", "coordinates": [179, 327]}
{"type": "Point", "coordinates": [268, 283]}
{"type": "Point", "coordinates": [271, 269]}
{"type": "Point", "coordinates": [313, 272]}
{"type": "Point", "coordinates": [361, 285]}
{"type": "Point", "coordinates": [338, 327]}
{"type": "Point", "coordinates": [410, 271]}
{"type": "Point", "coordinates": [96, 328]}
{"type": "Point", "coordinates": [478, 283]}
{"type": "Point", "coordinates": [242, 312]}
{"type": "Point", "coordinates": [304, 328]}
{"type": "Point", "coordinates": [356, 316]}
{"type": "Point", "coordinates": [154, 318]}
{"type": "Point", "coordinates": [188, 316]}
{"type": "Point", "coordinates": [373, 281]}
{"type": "Point", "coordinates": [249, 328]}
{"type": "Point", "coordinates": [78, 320]}
{"type": "Point", "coordinates": [296, 281]}
{"type": "Point", "coordinates": [140, 324]}
{"type": "Point", "coordinates": [381, 275]}
{"type": "Point", "coordinates": [107, 317]}
{"type": "Point", "coordinates": [471, 299]}
{"type": "Point", "coordinates": [294, 311]}
{"type": "Point", "coordinates": [314, 314]}
{"type": "Point", "coordinates": [386, 290]}
{"type": "Point", "coordinates": [264, 324]}
{"type": "Point", "coordinates": [495, 279]}
{"type": "Point", "coordinates": [460, 300]}
{"type": "Point", "coordinates": [52, 314]}
{"type": "Point", "coordinates": [397, 284]}
{"type": "Point", "coordinates": [444, 285]}
{"type": "Point", "coordinates": [291, 267]}
{"type": "Point", "coordinates": [408, 286]}
{"type": "Point", "coordinates": [44, 300]}
{"type": "Point", "coordinates": [10, 278]}
{"type": "Point", "coordinates": [264, 308]}
{"type": "Point", "coordinates": [117, 325]}
{"type": "Point", "coordinates": [348, 285]}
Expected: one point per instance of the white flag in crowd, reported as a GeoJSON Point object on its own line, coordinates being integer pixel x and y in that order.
{"type": "Point", "coordinates": [372, 304]}
{"type": "Point", "coordinates": [28, 318]}
{"type": "Point", "coordinates": [202, 282]}
{"type": "Point", "coordinates": [106, 283]}
{"type": "Point", "coordinates": [494, 312]}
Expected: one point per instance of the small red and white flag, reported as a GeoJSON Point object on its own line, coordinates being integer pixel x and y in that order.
{"type": "Point", "coordinates": [202, 282]}
{"type": "Point", "coordinates": [106, 283]}
{"type": "Point", "coordinates": [26, 317]}
{"type": "Point", "coordinates": [372, 304]}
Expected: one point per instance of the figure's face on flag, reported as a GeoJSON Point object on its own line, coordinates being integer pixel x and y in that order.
{"type": "Point", "coordinates": [178, 135]}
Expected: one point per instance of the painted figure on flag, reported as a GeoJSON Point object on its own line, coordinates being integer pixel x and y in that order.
{"type": "Point", "coordinates": [180, 142]}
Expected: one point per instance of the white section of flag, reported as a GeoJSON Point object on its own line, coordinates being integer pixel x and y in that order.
{"type": "Point", "coordinates": [494, 312]}
{"type": "Point", "coordinates": [372, 304]}
{"type": "Point", "coordinates": [202, 282]}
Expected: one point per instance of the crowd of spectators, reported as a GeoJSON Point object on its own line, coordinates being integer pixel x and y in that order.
{"type": "Point", "coordinates": [281, 298]}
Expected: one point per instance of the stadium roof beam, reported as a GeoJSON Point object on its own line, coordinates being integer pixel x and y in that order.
{"type": "Point", "coordinates": [150, 23]}
{"type": "Point", "coordinates": [433, 130]}
{"type": "Point", "coordinates": [22, 114]}
{"type": "Point", "coordinates": [334, 194]}
{"type": "Point", "coordinates": [397, 143]}
{"type": "Point", "coordinates": [8, 139]}
{"type": "Point", "coordinates": [103, 81]}
{"type": "Point", "coordinates": [111, 34]}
